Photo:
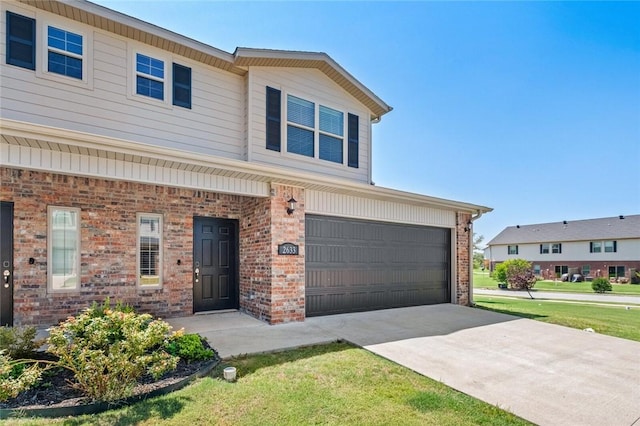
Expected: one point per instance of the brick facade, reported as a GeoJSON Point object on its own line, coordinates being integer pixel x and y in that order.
{"type": "Point", "coordinates": [463, 253]}
{"type": "Point", "coordinates": [271, 286]}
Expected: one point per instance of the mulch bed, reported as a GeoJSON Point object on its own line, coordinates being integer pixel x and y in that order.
{"type": "Point", "coordinates": [55, 390]}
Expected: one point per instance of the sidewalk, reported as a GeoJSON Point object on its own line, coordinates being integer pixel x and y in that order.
{"type": "Point", "coordinates": [553, 295]}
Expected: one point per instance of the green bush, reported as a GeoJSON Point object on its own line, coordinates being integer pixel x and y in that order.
{"type": "Point", "coordinates": [19, 342]}
{"type": "Point", "coordinates": [17, 376]}
{"type": "Point", "coordinates": [500, 272]}
{"type": "Point", "coordinates": [516, 272]}
{"type": "Point", "coordinates": [189, 347]}
{"type": "Point", "coordinates": [600, 285]}
{"type": "Point", "coordinates": [108, 350]}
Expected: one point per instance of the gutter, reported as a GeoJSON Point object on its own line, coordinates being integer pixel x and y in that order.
{"type": "Point", "coordinates": [473, 219]}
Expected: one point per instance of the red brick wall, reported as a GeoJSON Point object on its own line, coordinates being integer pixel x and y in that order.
{"type": "Point", "coordinates": [463, 259]}
{"type": "Point", "coordinates": [108, 241]}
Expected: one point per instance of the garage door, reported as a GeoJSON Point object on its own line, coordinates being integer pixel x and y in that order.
{"type": "Point", "coordinates": [356, 265]}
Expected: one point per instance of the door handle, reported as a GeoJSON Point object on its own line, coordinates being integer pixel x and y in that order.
{"type": "Point", "coordinates": [6, 274]}
{"type": "Point", "coordinates": [197, 273]}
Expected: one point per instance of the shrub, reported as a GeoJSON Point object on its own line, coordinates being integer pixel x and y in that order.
{"type": "Point", "coordinates": [600, 285]}
{"type": "Point", "coordinates": [189, 347]}
{"type": "Point", "coordinates": [516, 272]}
{"type": "Point", "coordinates": [108, 350]}
{"type": "Point", "coordinates": [19, 342]}
{"type": "Point", "coordinates": [500, 272]}
{"type": "Point", "coordinates": [17, 376]}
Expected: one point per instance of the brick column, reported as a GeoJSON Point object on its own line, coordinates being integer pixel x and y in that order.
{"type": "Point", "coordinates": [463, 258]}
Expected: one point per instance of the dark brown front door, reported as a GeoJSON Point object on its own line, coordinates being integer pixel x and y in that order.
{"type": "Point", "coordinates": [215, 264]}
{"type": "Point", "coordinates": [6, 263]}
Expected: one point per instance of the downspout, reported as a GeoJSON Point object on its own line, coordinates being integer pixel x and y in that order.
{"type": "Point", "coordinates": [473, 218]}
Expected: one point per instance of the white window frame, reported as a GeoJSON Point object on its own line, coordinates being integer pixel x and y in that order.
{"type": "Point", "coordinates": [316, 130]}
{"type": "Point", "coordinates": [52, 280]}
{"type": "Point", "coordinates": [160, 260]}
{"type": "Point", "coordinates": [43, 22]}
{"type": "Point", "coordinates": [609, 246]}
{"type": "Point", "coordinates": [514, 251]}
{"type": "Point", "coordinates": [598, 245]}
{"type": "Point", "coordinates": [132, 86]}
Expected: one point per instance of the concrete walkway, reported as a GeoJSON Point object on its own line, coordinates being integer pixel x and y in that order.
{"type": "Point", "coordinates": [552, 295]}
{"type": "Point", "coordinates": [548, 374]}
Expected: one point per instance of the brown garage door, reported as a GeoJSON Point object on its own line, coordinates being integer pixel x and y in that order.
{"type": "Point", "coordinates": [356, 265]}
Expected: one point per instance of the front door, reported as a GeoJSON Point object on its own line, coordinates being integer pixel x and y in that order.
{"type": "Point", "coordinates": [6, 263]}
{"type": "Point", "coordinates": [215, 264]}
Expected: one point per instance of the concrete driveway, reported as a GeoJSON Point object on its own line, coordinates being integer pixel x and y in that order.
{"type": "Point", "coordinates": [548, 374]}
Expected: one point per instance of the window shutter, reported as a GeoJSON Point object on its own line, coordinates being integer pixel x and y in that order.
{"type": "Point", "coordinates": [540, 248]}
{"type": "Point", "coordinates": [21, 41]}
{"type": "Point", "coordinates": [273, 119]}
{"type": "Point", "coordinates": [516, 249]}
{"type": "Point", "coordinates": [559, 247]}
{"type": "Point", "coordinates": [182, 86]}
{"type": "Point", "coordinates": [591, 247]}
{"type": "Point", "coordinates": [615, 246]}
{"type": "Point", "coordinates": [353, 141]}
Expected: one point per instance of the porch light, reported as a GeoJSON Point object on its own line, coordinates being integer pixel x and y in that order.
{"type": "Point", "coordinates": [292, 205]}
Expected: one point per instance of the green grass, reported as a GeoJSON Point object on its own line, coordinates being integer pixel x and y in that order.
{"type": "Point", "coordinates": [330, 384]}
{"type": "Point", "coordinates": [613, 320]}
{"type": "Point", "coordinates": [483, 280]}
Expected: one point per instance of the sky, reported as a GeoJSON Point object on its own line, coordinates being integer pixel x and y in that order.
{"type": "Point", "coordinates": [530, 108]}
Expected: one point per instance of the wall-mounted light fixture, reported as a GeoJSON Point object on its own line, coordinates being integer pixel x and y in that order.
{"type": "Point", "coordinates": [468, 227]}
{"type": "Point", "coordinates": [292, 205]}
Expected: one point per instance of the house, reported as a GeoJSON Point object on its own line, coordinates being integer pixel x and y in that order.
{"type": "Point", "coordinates": [147, 167]}
{"type": "Point", "coordinates": [606, 247]}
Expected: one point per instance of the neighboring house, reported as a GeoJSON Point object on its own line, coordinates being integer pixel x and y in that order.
{"type": "Point", "coordinates": [144, 166]}
{"type": "Point", "coordinates": [607, 247]}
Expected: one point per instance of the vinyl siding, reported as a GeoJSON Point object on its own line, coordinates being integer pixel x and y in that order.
{"type": "Point", "coordinates": [215, 124]}
{"type": "Point", "coordinates": [325, 203]}
{"type": "Point", "coordinates": [627, 250]}
{"type": "Point", "coordinates": [314, 86]}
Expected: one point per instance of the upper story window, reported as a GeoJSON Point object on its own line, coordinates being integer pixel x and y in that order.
{"type": "Point", "coordinates": [556, 248]}
{"type": "Point", "coordinates": [512, 249]}
{"type": "Point", "coordinates": [544, 248]}
{"type": "Point", "coordinates": [610, 246]}
{"type": "Point", "coordinates": [149, 76]}
{"type": "Point", "coordinates": [21, 41]}
{"type": "Point", "coordinates": [595, 247]}
{"type": "Point", "coordinates": [315, 131]}
{"type": "Point", "coordinates": [64, 52]}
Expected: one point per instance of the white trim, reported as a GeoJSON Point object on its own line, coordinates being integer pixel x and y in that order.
{"type": "Point", "coordinates": [160, 259]}
{"type": "Point", "coordinates": [132, 51]}
{"type": "Point", "coordinates": [77, 266]}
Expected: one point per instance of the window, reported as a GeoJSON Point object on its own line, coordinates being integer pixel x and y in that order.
{"type": "Point", "coordinates": [536, 269]}
{"type": "Point", "coordinates": [63, 251]}
{"type": "Point", "coordinates": [544, 248]}
{"type": "Point", "coordinates": [149, 250]}
{"type": "Point", "coordinates": [21, 41]}
{"type": "Point", "coordinates": [149, 77]}
{"type": "Point", "coordinates": [610, 246]}
{"type": "Point", "coordinates": [616, 271]}
{"type": "Point", "coordinates": [181, 86]}
{"type": "Point", "coordinates": [556, 248]}
{"type": "Point", "coordinates": [301, 126]}
{"type": "Point", "coordinates": [586, 270]}
{"type": "Point", "coordinates": [560, 270]}
{"type": "Point", "coordinates": [65, 51]}
{"type": "Point", "coordinates": [512, 249]}
{"type": "Point", "coordinates": [595, 247]}
{"type": "Point", "coordinates": [331, 134]}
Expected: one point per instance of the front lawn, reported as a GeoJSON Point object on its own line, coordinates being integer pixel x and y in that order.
{"type": "Point", "coordinates": [483, 280]}
{"type": "Point", "coordinates": [330, 384]}
{"type": "Point", "coordinates": [614, 320]}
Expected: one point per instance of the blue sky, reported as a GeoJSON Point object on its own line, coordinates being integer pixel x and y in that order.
{"type": "Point", "coordinates": [531, 108]}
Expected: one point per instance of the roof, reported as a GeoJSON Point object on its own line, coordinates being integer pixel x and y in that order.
{"type": "Point", "coordinates": [237, 63]}
{"type": "Point", "coordinates": [617, 227]}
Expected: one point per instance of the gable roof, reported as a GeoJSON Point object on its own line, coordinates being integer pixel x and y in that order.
{"type": "Point", "coordinates": [606, 228]}
{"type": "Point", "coordinates": [144, 32]}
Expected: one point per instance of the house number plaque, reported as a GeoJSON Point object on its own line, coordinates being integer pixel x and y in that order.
{"type": "Point", "coordinates": [288, 249]}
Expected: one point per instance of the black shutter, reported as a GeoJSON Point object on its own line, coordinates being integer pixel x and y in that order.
{"type": "Point", "coordinates": [591, 247]}
{"type": "Point", "coordinates": [615, 246]}
{"type": "Point", "coordinates": [560, 248]}
{"type": "Point", "coordinates": [21, 41]}
{"type": "Point", "coordinates": [182, 86]}
{"type": "Point", "coordinates": [273, 119]}
{"type": "Point", "coordinates": [540, 248]}
{"type": "Point", "coordinates": [516, 249]}
{"type": "Point", "coordinates": [353, 149]}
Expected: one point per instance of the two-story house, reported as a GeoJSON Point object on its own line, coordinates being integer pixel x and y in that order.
{"type": "Point", "coordinates": [147, 167]}
{"type": "Point", "coordinates": [605, 247]}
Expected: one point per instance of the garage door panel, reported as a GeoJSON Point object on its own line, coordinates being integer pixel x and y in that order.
{"type": "Point", "coordinates": [355, 265]}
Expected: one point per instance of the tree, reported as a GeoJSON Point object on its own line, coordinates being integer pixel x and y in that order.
{"type": "Point", "coordinates": [516, 273]}
{"type": "Point", "coordinates": [478, 253]}
{"type": "Point", "coordinates": [477, 240]}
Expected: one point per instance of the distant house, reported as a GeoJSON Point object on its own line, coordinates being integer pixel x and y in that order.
{"type": "Point", "coordinates": [606, 247]}
{"type": "Point", "coordinates": [144, 166]}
